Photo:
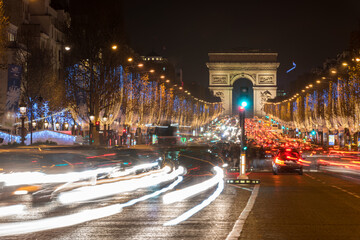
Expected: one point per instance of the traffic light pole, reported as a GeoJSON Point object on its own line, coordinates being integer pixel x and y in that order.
{"type": "Point", "coordinates": [242, 160]}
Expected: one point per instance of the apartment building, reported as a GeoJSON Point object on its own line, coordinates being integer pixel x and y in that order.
{"type": "Point", "coordinates": [34, 21]}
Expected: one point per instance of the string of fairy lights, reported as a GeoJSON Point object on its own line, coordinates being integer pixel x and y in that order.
{"type": "Point", "coordinates": [173, 86]}
{"type": "Point", "coordinates": [312, 86]}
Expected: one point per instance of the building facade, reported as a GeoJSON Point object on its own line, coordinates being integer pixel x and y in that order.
{"type": "Point", "coordinates": [30, 21]}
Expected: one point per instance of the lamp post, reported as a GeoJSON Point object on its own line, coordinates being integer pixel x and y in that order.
{"type": "Point", "coordinates": [33, 124]}
{"type": "Point", "coordinates": [23, 115]}
{"type": "Point", "coordinates": [243, 147]}
{"type": "Point", "coordinates": [92, 119]}
{"type": "Point", "coordinates": [104, 119]}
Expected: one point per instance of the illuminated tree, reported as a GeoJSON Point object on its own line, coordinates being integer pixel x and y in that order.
{"type": "Point", "coordinates": [4, 22]}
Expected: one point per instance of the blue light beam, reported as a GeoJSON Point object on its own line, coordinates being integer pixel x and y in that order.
{"type": "Point", "coordinates": [294, 66]}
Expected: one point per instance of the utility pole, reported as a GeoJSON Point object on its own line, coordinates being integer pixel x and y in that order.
{"type": "Point", "coordinates": [243, 147]}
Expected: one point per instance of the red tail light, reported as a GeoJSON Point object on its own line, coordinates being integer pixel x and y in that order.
{"type": "Point", "coordinates": [280, 162]}
{"type": "Point", "coordinates": [303, 162]}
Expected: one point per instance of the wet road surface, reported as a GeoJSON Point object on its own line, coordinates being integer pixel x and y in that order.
{"type": "Point", "coordinates": [317, 205]}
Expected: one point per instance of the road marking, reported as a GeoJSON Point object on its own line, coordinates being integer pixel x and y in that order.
{"type": "Point", "coordinates": [346, 191]}
{"type": "Point", "coordinates": [244, 188]}
{"type": "Point", "coordinates": [239, 224]}
{"type": "Point", "coordinates": [309, 176]}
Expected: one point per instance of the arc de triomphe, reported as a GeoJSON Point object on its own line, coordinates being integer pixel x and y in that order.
{"type": "Point", "coordinates": [258, 67]}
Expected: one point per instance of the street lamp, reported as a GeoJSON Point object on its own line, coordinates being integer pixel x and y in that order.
{"type": "Point", "coordinates": [23, 115]}
{"type": "Point", "coordinates": [66, 125]}
{"type": "Point", "coordinates": [104, 119]}
{"type": "Point", "coordinates": [46, 124]}
{"type": "Point", "coordinates": [57, 125]}
{"type": "Point", "coordinates": [33, 124]}
{"type": "Point", "coordinates": [92, 118]}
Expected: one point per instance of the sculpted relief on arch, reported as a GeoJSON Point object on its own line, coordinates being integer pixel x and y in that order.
{"type": "Point", "coordinates": [219, 79]}
{"type": "Point", "coordinates": [220, 94]}
{"type": "Point", "coordinates": [236, 76]}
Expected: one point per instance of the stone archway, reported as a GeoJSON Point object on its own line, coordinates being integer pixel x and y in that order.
{"type": "Point", "coordinates": [258, 67]}
{"type": "Point", "coordinates": [243, 92]}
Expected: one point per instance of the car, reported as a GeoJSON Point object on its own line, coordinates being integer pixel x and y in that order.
{"type": "Point", "coordinates": [288, 160]}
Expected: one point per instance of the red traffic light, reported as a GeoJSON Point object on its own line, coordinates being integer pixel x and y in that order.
{"type": "Point", "coordinates": [124, 130]}
{"type": "Point", "coordinates": [241, 109]}
{"type": "Point", "coordinates": [97, 123]}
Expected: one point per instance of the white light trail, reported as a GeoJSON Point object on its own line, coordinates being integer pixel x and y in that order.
{"type": "Point", "coordinates": [110, 189]}
{"type": "Point", "coordinates": [11, 210]}
{"type": "Point", "coordinates": [197, 208]}
{"type": "Point", "coordinates": [182, 194]}
{"type": "Point", "coordinates": [29, 178]}
{"type": "Point", "coordinates": [76, 218]}
{"type": "Point", "coordinates": [134, 169]}
{"type": "Point", "coordinates": [21, 192]}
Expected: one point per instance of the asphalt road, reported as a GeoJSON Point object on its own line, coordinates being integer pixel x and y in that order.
{"type": "Point", "coordinates": [317, 205]}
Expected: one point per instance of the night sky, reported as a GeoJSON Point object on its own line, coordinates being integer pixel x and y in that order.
{"type": "Point", "coordinates": [306, 32]}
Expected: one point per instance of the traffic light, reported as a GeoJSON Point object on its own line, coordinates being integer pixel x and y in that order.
{"type": "Point", "coordinates": [124, 131]}
{"type": "Point", "coordinates": [313, 132]}
{"type": "Point", "coordinates": [245, 148]}
{"type": "Point", "coordinates": [242, 116]}
{"type": "Point", "coordinates": [244, 104]}
{"type": "Point", "coordinates": [97, 125]}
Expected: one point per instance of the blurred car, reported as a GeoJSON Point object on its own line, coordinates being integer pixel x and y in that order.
{"type": "Point", "coordinates": [287, 160]}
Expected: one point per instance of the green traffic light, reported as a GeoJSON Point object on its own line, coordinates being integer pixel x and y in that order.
{"type": "Point", "coordinates": [245, 148]}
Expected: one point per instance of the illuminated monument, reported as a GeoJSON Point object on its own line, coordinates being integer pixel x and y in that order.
{"type": "Point", "coordinates": [249, 76]}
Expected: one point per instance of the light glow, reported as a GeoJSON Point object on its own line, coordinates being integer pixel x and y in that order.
{"type": "Point", "coordinates": [193, 190]}
{"type": "Point", "coordinates": [8, 229]}
{"type": "Point", "coordinates": [110, 189]}
{"type": "Point", "coordinates": [11, 210]}
{"type": "Point", "coordinates": [30, 178]}
{"type": "Point", "coordinates": [197, 208]}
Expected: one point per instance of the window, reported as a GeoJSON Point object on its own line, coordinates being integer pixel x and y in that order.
{"type": "Point", "coordinates": [11, 37]}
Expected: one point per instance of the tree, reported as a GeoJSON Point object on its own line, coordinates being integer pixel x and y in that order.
{"type": "Point", "coordinates": [95, 78]}
{"type": "Point", "coordinates": [39, 82]}
{"type": "Point", "coordinates": [4, 22]}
